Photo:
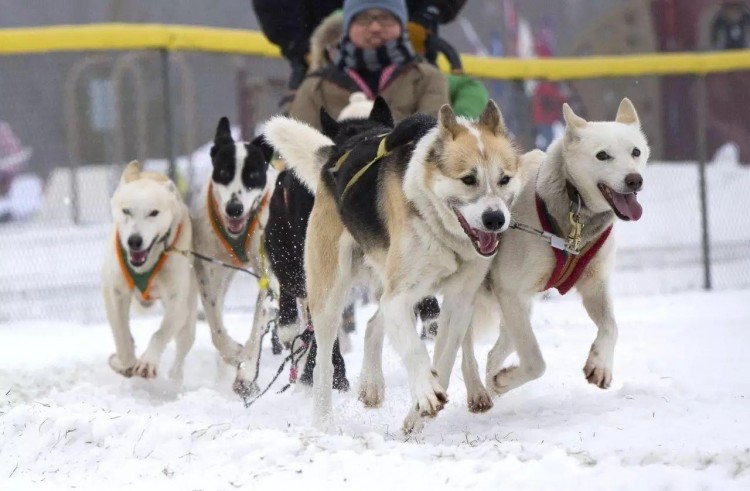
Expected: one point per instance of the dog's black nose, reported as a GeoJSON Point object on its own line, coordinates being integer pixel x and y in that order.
{"type": "Point", "coordinates": [493, 220]}
{"type": "Point", "coordinates": [234, 209]}
{"type": "Point", "coordinates": [135, 242]}
{"type": "Point", "coordinates": [634, 181]}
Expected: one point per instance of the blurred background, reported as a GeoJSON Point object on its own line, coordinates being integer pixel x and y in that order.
{"type": "Point", "coordinates": [69, 121]}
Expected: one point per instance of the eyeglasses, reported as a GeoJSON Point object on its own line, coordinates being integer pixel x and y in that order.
{"type": "Point", "coordinates": [384, 19]}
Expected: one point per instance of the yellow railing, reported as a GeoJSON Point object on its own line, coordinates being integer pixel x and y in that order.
{"type": "Point", "coordinates": [105, 37]}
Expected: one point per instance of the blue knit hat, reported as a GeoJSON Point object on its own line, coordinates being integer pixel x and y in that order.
{"type": "Point", "coordinates": [354, 7]}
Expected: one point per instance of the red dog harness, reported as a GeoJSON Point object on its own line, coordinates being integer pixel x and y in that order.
{"type": "Point", "coordinates": [568, 267]}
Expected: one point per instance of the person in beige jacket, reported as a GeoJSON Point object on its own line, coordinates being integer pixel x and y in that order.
{"type": "Point", "coordinates": [375, 57]}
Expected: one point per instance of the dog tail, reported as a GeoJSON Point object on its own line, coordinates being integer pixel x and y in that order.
{"type": "Point", "coordinates": [303, 148]}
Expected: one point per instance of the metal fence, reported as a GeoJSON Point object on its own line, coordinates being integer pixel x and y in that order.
{"type": "Point", "coordinates": [70, 118]}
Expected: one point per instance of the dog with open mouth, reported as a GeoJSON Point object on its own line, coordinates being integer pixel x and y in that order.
{"type": "Point", "coordinates": [587, 179]}
{"type": "Point", "coordinates": [419, 208]}
{"type": "Point", "coordinates": [150, 221]}
{"type": "Point", "coordinates": [227, 224]}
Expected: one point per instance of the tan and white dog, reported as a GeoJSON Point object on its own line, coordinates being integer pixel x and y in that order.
{"type": "Point", "coordinates": [149, 218]}
{"type": "Point", "coordinates": [421, 208]}
{"type": "Point", "coordinates": [595, 171]}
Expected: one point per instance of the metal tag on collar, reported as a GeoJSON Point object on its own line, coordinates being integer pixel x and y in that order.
{"type": "Point", "coordinates": [575, 241]}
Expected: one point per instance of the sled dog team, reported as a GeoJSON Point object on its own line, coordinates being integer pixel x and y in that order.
{"type": "Point", "coordinates": [422, 207]}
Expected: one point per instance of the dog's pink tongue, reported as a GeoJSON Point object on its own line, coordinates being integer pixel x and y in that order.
{"type": "Point", "coordinates": [235, 225]}
{"type": "Point", "coordinates": [627, 205]}
{"type": "Point", "coordinates": [138, 256]}
{"type": "Point", "coordinates": [487, 241]}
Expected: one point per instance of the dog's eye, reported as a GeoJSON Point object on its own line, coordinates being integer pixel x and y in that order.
{"type": "Point", "coordinates": [126, 212]}
{"type": "Point", "coordinates": [636, 152]}
{"type": "Point", "coordinates": [603, 155]}
{"type": "Point", "coordinates": [504, 180]}
{"type": "Point", "coordinates": [153, 213]}
{"type": "Point", "coordinates": [470, 180]}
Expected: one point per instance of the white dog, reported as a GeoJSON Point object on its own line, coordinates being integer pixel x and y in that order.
{"type": "Point", "coordinates": [589, 177]}
{"type": "Point", "coordinates": [149, 218]}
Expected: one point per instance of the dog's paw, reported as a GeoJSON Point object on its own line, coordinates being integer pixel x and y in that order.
{"type": "Point", "coordinates": [504, 380]}
{"type": "Point", "coordinates": [429, 332]}
{"type": "Point", "coordinates": [479, 401]}
{"type": "Point", "coordinates": [175, 373]}
{"type": "Point", "coordinates": [245, 388]}
{"type": "Point", "coordinates": [286, 333]}
{"type": "Point", "coordinates": [430, 396]}
{"type": "Point", "coordinates": [340, 383]}
{"type": "Point", "coordinates": [598, 370]}
{"type": "Point", "coordinates": [145, 369]}
{"type": "Point", "coordinates": [116, 365]}
{"type": "Point", "coordinates": [413, 423]}
{"type": "Point", "coordinates": [372, 391]}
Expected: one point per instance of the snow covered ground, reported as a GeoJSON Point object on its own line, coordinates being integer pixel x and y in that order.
{"type": "Point", "coordinates": [677, 416]}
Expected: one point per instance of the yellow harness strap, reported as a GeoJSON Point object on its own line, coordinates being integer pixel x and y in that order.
{"type": "Point", "coordinates": [263, 282]}
{"type": "Point", "coordinates": [382, 152]}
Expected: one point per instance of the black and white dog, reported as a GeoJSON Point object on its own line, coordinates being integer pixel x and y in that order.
{"type": "Point", "coordinates": [289, 211]}
{"type": "Point", "coordinates": [227, 224]}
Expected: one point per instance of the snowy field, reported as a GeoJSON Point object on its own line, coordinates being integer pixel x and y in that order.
{"type": "Point", "coordinates": [677, 416]}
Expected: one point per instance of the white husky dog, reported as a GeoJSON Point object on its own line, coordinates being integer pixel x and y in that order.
{"type": "Point", "coordinates": [589, 177]}
{"type": "Point", "coordinates": [149, 218]}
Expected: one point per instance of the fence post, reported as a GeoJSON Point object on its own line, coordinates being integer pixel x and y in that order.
{"type": "Point", "coordinates": [702, 129]}
{"type": "Point", "coordinates": [168, 123]}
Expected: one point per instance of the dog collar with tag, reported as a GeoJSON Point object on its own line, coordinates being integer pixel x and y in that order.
{"type": "Point", "coordinates": [143, 281]}
{"type": "Point", "coordinates": [568, 267]}
{"type": "Point", "coordinates": [238, 246]}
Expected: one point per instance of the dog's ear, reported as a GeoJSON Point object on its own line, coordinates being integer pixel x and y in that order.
{"type": "Point", "coordinates": [175, 204]}
{"type": "Point", "coordinates": [223, 132]}
{"type": "Point", "coordinates": [572, 120]}
{"type": "Point", "coordinates": [492, 119]}
{"type": "Point", "coordinates": [328, 125]}
{"type": "Point", "coordinates": [223, 135]}
{"type": "Point", "coordinates": [626, 113]}
{"type": "Point", "coordinates": [265, 148]}
{"type": "Point", "coordinates": [381, 113]}
{"type": "Point", "coordinates": [172, 188]}
{"type": "Point", "coordinates": [447, 122]}
{"type": "Point", "coordinates": [131, 172]}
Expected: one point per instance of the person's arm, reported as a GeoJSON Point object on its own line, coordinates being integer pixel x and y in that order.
{"type": "Point", "coordinates": [434, 91]}
{"type": "Point", "coordinates": [468, 95]}
{"type": "Point", "coordinates": [283, 23]}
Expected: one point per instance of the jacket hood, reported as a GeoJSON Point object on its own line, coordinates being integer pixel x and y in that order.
{"type": "Point", "coordinates": [328, 33]}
